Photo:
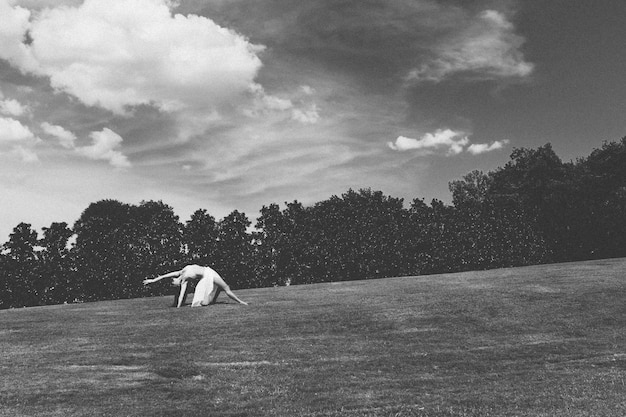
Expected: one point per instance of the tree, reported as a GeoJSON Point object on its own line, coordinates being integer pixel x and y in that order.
{"type": "Point", "coordinates": [20, 267]}
{"type": "Point", "coordinates": [118, 245]}
{"type": "Point", "coordinates": [21, 244]}
{"type": "Point", "coordinates": [99, 251]}
{"type": "Point", "coordinates": [472, 190]}
{"type": "Point", "coordinates": [157, 246]}
{"type": "Point", "coordinates": [57, 271]}
{"type": "Point", "coordinates": [6, 288]}
{"type": "Point", "coordinates": [200, 236]}
{"type": "Point", "coordinates": [492, 232]}
{"type": "Point", "coordinates": [441, 234]}
{"type": "Point", "coordinates": [272, 241]}
{"type": "Point", "coordinates": [422, 233]}
{"type": "Point", "coordinates": [289, 245]}
{"type": "Point", "coordinates": [235, 251]}
{"type": "Point", "coordinates": [603, 183]}
{"type": "Point", "coordinates": [540, 184]}
{"type": "Point", "coordinates": [359, 235]}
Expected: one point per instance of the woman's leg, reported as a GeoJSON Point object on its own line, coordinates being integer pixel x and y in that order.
{"type": "Point", "coordinates": [220, 283]}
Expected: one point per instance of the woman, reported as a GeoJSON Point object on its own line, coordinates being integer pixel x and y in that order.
{"type": "Point", "coordinates": [210, 283]}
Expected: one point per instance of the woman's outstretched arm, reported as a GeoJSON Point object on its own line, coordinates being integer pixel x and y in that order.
{"type": "Point", "coordinates": [160, 277]}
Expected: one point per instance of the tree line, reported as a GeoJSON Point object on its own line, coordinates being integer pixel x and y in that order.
{"type": "Point", "coordinates": [535, 209]}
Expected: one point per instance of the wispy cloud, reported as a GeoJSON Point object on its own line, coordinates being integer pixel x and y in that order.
{"type": "Point", "coordinates": [422, 40]}
{"type": "Point", "coordinates": [25, 154]}
{"type": "Point", "coordinates": [487, 48]}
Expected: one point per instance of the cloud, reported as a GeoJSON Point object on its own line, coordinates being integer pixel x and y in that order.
{"type": "Point", "coordinates": [278, 167]}
{"type": "Point", "coordinates": [17, 139]}
{"type": "Point", "coordinates": [13, 131]}
{"type": "Point", "coordinates": [487, 48]}
{"type": "Point", "coordinates": [454, 142]}
{"type": "Point", "coordinates": [14, 24]}
{"type": "Point", "coordinates": [264, 105]}
{"type": "Point", "coordinates": [65, 137]}
{"type": "Point", "coordinates": [105, 144]}
{"type": "Point", "coordinates": [40, 4]}
{"type": "Point", "coordinates": [307, 89]}
{"type": "Point", "coordinates": [451, 140]}
{"type": "Point", "coordinates": [117, 55]}
{"type": "Point", "coordinates": [478, 148]}
{"type": "Point", "coordinates": [105, 147]}
{"type": "Point", "coordinates": [25, 154]}
{"type": "Point", "coordinates": [310, 116]}
{"type": "Point", "coordinates": [12, 107]}
{"type": "Point", "coordinates": [383, 42]}
{"type": "Point", "coordinates": [261, 103]}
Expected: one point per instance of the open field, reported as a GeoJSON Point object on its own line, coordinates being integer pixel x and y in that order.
{"type": "Point", "coordinates": [547, 340]}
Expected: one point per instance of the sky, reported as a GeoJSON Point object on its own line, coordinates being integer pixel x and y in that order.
{"type": "Point", "coordinates": [235, 104]}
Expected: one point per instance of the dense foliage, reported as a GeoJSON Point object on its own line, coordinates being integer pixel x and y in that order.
{"type": "Point", "coordinates": [535, 209]}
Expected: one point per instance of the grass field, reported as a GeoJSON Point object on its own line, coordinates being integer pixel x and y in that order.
{"type": "Point", "coordinates": [547, 340]}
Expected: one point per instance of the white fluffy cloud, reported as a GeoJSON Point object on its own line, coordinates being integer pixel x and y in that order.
{"type": "Point", "coordinates": [488, 48]}
{"type": "Point", "coordinates": [65, 137]}
{"type": "Point", "coordinates": [105, 146]}
{"type": "Point", "coordinates": [478, 148]}
{"type": "Point", "coordinates": [118, 54]}
{"type": "Point", "coordinates": [10, 107]}
{"type": "Point", "coordinates": [13, 131]}
{"type": "Point", "coordinates": [451, 140]}
{"type": "Point", "coordinates": [17, 140]}
{"type": "Point", "coordinates": [14, 23]}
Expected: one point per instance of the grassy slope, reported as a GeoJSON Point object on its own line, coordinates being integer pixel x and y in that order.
{"type": "Point", "coordinates": [538, 341]}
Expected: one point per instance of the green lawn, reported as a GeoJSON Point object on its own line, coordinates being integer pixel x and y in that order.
{"type": "Point", "coordinates": [547, 340]}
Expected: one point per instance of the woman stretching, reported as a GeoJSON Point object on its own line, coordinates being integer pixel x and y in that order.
{"type": "Point", "coordinates": [209, 286]}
